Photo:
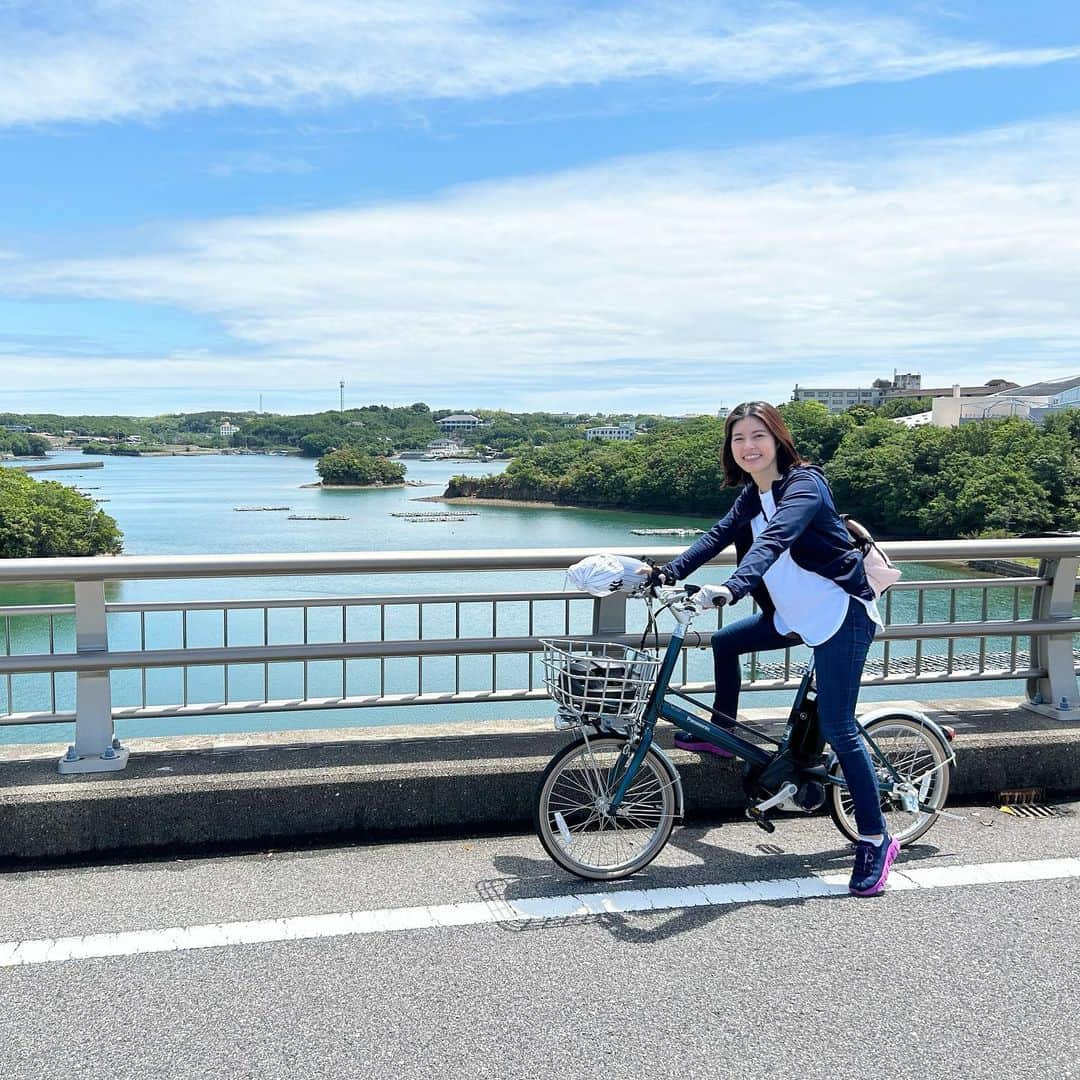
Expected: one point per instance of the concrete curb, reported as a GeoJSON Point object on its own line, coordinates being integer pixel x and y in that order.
{"type": "Point", "coordinates": [362, 785]}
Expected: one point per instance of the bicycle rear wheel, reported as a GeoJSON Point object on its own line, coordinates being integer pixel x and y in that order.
{"type": "Point", "coordinates": [922, 762]}
{"type": "Point", "coordinates": [573, 818]}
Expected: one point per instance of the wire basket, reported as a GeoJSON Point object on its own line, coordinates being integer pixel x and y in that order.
{"type": "Point", "coordinates": [599, 682]}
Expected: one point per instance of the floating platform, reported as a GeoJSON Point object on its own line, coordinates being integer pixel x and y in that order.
{"type": "Point", "coordinates": [667, 532]}
{"type": "Point", "coordinates": [254, 509]}
{"type": "Point", "coordinates": [317, 517]}
{"type": "Point", "coordinates": [434, 515]}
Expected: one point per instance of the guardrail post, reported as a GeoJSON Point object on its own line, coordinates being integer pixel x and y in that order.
{"type": "Point", "coordinates": [1056, 693]}
{"type": "Point", "coordinates": [609, 615]}
{"type": "Point", "coordinates": [95, 749]}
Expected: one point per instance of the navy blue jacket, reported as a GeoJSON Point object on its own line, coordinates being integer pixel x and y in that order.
{"type": "Point", "coordinates": [805, 523]}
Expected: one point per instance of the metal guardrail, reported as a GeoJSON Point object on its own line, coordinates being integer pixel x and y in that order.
{"type": "Point", "coordinates": [104, 661]}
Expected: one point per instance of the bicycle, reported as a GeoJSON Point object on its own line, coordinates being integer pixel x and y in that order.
{"type": "Point", "coordinates": [608, 800]}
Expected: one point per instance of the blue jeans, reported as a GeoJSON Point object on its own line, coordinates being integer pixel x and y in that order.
{"type": "Point", "coordinates": [838, 664]}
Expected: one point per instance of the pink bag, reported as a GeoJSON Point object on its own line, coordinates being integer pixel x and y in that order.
{"type": "Point", "coordinates": [880, 571]}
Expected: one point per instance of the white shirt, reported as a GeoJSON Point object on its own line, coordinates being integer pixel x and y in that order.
{"type": "Point", "coordinates": [806, 603]}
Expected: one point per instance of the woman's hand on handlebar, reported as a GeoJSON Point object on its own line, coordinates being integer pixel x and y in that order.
{"type": "Point", "coordinates": [712, 596]}
{"type": "Point", "coordinates": [655, 577]}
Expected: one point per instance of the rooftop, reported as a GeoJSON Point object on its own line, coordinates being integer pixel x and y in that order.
{"type": "Point", "coordinates": [1043, 389]}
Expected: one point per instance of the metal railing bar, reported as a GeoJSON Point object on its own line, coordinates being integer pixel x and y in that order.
{"type": "Point", "coordinates": [184, 638]}
{"type": "Point", "coordinates": [38, 609]}
{"type": "Point", "coordinates": [967, 583]}
{"type": "Point", "coordinates": [982, 640]}
{"type": "Point", "coordinates": [241, 654]}
{"type": "Point", "coordinates": [317, 601]}
{"type": "Point", "coordinates": [441, 598]}
{"type": "Point", "coordinates": [920, 614]}
{"type": "Point", "coordinates": [467, 698]}
{"type": "Point", "coordinates": [164, 567]}
{"type": "Point", "coordinates": [952, 619]}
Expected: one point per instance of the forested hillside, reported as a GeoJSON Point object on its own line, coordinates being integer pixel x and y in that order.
{"type": "Point", "coordinates": [991, 477]}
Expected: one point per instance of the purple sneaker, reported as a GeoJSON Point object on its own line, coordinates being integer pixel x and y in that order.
{"type": "Point", "coordinates": [872, 862]}
{"type": "Point", "coordinates": [685, 741]}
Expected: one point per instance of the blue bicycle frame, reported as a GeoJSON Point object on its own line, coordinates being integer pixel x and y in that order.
{"type": "Point", "coordinates": [659, 707]}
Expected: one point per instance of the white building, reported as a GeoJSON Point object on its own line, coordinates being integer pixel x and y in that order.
{"type": "Point", "coordinates": [227, 429]}
{"type": "Point", "coordinates": [460, 422]}
{"type": "Point", "coordinates": [1031, 402]}
{"type": "Point", "coordinates": [623, 432]}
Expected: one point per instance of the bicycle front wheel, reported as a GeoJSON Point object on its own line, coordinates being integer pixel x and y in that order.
{"type": "Point", "coordinates": [573, 818]}
{"type": "Point", "coordinates": [922, 762]}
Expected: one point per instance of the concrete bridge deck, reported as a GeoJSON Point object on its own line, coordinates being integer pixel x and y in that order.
{"type": "Point", "coordinates": [235, 792]}
{"type": "Point", "coordinates": [478, 958]}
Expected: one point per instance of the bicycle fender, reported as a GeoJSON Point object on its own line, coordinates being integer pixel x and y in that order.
{"type": "Point", "coordinates": [676, 780]}
{"type": "Point", "coordinates": [909, 714]}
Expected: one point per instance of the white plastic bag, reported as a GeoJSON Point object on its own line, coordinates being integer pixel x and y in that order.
{"type": "Point", "coordinates": [604, 574]}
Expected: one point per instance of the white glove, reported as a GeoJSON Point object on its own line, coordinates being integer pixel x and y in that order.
{"type": "Point", "coordinates": [709, 597]}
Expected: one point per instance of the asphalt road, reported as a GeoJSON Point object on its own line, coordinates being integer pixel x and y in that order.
{"type": "Point", "coordinates": [961, 980]}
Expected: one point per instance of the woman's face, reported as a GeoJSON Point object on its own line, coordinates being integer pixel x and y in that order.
{"type": "Point", "coordinates": [753, 447]}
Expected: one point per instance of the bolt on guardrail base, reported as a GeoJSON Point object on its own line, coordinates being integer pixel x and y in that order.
{"type": "Point", "coordinates": [113, 759]}
{"type": "Point", "coordinates": [1064, 710]}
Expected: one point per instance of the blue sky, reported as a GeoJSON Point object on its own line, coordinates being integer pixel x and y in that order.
{"type": "Point", "coordinates": [482, 204]}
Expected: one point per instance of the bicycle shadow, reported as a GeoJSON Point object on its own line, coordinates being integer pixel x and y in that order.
{"type": "Point", "coordinates": [528, 878]}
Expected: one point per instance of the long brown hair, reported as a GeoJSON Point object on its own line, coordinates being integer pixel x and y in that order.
{"type": "Point", "coordinates": [786, 454]}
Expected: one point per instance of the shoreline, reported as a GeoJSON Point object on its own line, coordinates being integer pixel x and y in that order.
{"type": "Point", "coordinates": [536, 504]}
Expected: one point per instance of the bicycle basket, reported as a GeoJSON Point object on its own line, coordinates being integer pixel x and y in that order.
{"type": "Point", "coordinates": [599, 681]}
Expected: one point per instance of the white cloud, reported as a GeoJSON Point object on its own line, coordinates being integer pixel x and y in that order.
{"type": "Point", "coordinates": [697, 277]}
{"type": "Point", "coordinates": [115, 59]}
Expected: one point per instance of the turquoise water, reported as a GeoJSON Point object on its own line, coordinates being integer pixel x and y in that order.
{"type": "Point", "coordinates": [180, 505]}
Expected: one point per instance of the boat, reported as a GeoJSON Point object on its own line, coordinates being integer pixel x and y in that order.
{"type": "Point", "coordinates": [317, 517]}
{"type": "Point", "coordinates": [253, 509]}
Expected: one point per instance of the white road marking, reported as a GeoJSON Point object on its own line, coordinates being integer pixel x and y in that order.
{"type": "Point", "coordinates": [625, 901]}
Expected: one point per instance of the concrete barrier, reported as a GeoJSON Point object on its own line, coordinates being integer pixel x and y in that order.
{"type": "Point", "coordinates": [238, 793]}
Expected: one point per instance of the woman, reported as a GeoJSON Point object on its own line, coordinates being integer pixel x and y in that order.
{"type": "Point", "coordinates": [798, 562]}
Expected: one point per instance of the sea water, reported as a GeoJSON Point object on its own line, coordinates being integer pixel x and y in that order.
{"type": "Point", "coordinates": [187, 505]}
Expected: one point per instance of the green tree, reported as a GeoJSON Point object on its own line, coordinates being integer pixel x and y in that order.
{"type": "Point", "coordinates": [351, 466]}
{"type": "Point", "coordinates": [44, 519]}
{"type": "Point", "coordinates": [816, 431]}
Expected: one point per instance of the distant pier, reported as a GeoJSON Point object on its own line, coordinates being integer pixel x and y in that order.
{"type": "Point", "coordinates": [57, 467]}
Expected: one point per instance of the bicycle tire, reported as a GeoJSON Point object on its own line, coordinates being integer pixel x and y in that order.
{"type": "Point", "coordinates": [589, 842]}
{"type": "Point", "coordinates": [920, 757]}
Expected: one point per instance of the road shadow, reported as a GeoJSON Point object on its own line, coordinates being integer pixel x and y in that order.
{"type": "Point", "coordinates": [524, 877]}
